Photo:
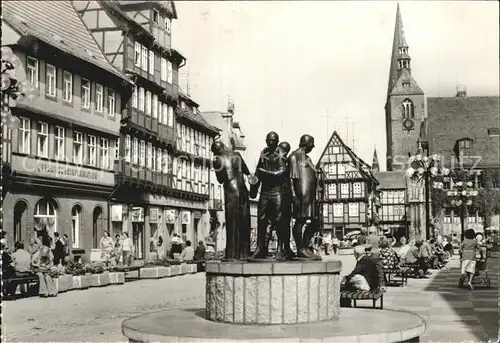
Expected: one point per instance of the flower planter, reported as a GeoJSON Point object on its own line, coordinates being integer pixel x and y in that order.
{"type": "Point", "coordinates": [194, 268]}
{"type": "Point", "coordinates": [185, 268]}
{"type": "Point", "coordinates": [81, 281]}
{"type": "Point", "coordinates": [154, 272]}
{"type": "Point", "coordinates": [116, 278]}
{"type": "Point", "coordinates": [175, 270]}
{"type": "Point", "coordinates": [99, 280]}
{"type": "Point", "coordinates": [64, 283]}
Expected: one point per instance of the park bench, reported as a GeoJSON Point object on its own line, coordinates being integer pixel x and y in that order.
{"type": "Point", "coordinates": [12, 283]}
{"type": "Point", "coordinates": [373, 295]}
{"type": "Point", "coordinates": [126, 269]}
{"type": "Point", "coordinates": [411, 269]}
{"type": "Point", "coordinates": [391, 275]}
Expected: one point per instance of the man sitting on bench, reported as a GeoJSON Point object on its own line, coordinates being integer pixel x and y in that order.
{"type": "Point", "coordinates": [368, 274]}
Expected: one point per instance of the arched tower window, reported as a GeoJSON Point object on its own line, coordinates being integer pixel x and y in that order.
{"type": "Point", "coordinates": [408, 109]}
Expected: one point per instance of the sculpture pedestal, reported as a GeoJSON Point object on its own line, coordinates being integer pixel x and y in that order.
{"type": "Point", "coordinates": [274, 302]}
{"type": "Point", "coordinates": [272, 292]}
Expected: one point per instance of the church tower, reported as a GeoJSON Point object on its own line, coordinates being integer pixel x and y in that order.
{"type": "Point", "coordinates": [405, 104]}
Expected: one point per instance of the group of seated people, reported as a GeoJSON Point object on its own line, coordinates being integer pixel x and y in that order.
{"type": "Point", "coordinates": [38, 260]}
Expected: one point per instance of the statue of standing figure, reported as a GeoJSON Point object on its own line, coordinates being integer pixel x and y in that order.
{"type": "Point", "coordinates": [272, 178]}
{"type": "Point", "coordinates": [303, 188]}
{"type": "Point", "coordinates": [230, 169]}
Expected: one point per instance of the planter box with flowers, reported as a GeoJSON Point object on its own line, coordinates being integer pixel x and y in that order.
{"type": "Point", "coordinates": [155, 269]}
{"type": "Point", "coordinates": [99, 276]}
{"type": "Point", "coordinates": [63, 281]}
{"type": "Point", "coordinates": [116, 277]}
{"type": "Point", "coordinates": [80, 279]}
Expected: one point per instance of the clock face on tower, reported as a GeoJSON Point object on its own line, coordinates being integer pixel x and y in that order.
{"type": "Point", "coordinates": [408, 124]}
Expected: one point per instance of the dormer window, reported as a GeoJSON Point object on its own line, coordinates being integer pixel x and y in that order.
{"type": "Point", "coordinates": [493, 132]}
{"type": "Point", "coordinates": [464, 147]}
{"type": "Point", "coordinates": [406, 84]}
{"type": "Point", "coordinates": [408, 110]}
{"type": "Point", "coordinates": [156, 16]}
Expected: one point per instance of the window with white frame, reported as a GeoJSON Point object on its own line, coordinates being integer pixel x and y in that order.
{"type": "Point", "coordinates": [163, 70]}
{"type": "Point", "coordinates": [148, 103]}
{"type": "Point", "coordinates": [59, 151]}
{"type": "Point", "coordinates": [153, 159]}
{"type": "Point", "coordinates": [332, 191]}
{"type": "Point", "coordinates": [77, 147]}
{"type": "Point", "coordinates": [149, 155]}
{"type": "Point", "coordinates": [154, 107]}
{"type": "Point", "coordinates": [128, 148]}
{"type": "Point", "coordinates": [165, 162]}
{"type": "Point", "coordinates": [51, 82]}
{"type": "Point", "coordinates": [104, 153]}
{"type": "Point", "coordinates": [85, 94]}
{"type": "Point", "coordinates": [357, 189]}
{"type": "Point", "coordinates": [145, 53]}
{"type": "Point", "coordinates": [117, 149]}
{"type": "Point", "coordinates": [344, 190]}
{"type": "Point", "coordinates": [137, 55]}
{"type": "Point", "coordinates": [25, 136]}
{"type": "Point", "coordinates": [135, 150]}
{"type": "Point", "coordinates": [134, 97]}
{"type": "Point", "coordinates": [111, 102]}
{"type": "Point", "coordinates": [42, 139]}
{"type": "Point", "coordinates": [160, 112]}
{"type": "Point", "coordinates": [33, 73]}
{"type": "Point", "coordinates": [168, 24]}
{"type": "Point", "coordinates": [67, 86]}
{"type": "Point", "coordinates": [159, 160]}
{"type": "Point", "coordinates": [142, 154]}
{"type": "Point", "coordinates": [141, 99]}
{"type": "Point", "coordinates": [92, 150]}
{"type": "Point", "coordinates": [169, 72]}
{"type": "Point", "coordinates": [332, 170]}
{"type": "Point", "coordinates": [341, 169]}
{"type": "Point", "coordinates": [170, 116]}
{"type": "Point", "coordinates": [353, 209]}
{"type": "Point", "coordinates": [99, 97]}
{"type": "Point", "coordinates": [338, 210]}
{"type": "Point", "coordinates": [151, 62]}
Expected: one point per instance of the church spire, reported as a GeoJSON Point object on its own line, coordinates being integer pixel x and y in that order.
{"type": "Point", "coordinates": [400, 59]}
{"type": "Point", "coordinates": [375, 165]}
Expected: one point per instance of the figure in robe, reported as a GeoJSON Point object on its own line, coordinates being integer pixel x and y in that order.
{"type": "Point", "coordinates": [303, 182]}
{"type": "Point", "coordinates": [230, 169]}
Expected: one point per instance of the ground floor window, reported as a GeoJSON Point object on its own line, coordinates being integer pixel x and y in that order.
{"type": "Point", "coordinates": [76, 213]}
{"type": "Point", "coordinates": [138, 239]}
{"type": "Point", "coordinates": [20, 220]}
{"type": "Point", "coordinates": [97, 225]}
{"type": "Point", "coordinates": [45, 216]}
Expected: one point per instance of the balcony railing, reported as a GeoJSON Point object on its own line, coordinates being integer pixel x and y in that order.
{"type": "Point", "coordinates": [215, 204]}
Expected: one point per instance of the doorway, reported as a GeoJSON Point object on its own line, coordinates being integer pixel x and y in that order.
{"type": "Point", "coordinates": [20, 220]}
{"type": "Point", "coordinates": [138, 240]}
{"type": "Point", "coordinates": [96, 226]}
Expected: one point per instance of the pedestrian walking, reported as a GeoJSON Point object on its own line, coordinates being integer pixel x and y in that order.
{"type": "Point", "coordinates": [335, 244]}
{"type": "Point", "coordinates": [127, 248]}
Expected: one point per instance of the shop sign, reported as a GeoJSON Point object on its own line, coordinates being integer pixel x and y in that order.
{"type": "Point", "coordinates": [116, 213]}
{"type": "Point", "coordinates": [137, 214]}
{"type": "Point", "coordinates": [170, 216]}
{"type": "Point", "coordinates": [61, 170]}
{"type": "Point", "coordinates": [153, 215]}
{"type": "Point", "coordinates": [186, 217]}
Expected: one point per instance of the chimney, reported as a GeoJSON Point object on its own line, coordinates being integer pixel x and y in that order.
{"type": "Point", "coordinates": [461, 90]}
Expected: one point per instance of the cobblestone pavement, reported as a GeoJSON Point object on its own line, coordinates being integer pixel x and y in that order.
{"type": "Point", "coordinates": [96, 314]}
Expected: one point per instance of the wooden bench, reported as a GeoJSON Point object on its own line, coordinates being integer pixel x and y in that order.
{"type": "Point", "coordinates": [391, 274]}
{"type": "Point", "coordinates": [130, 269]}
{"type": "Point", "coordinates": [411, 269]}
{"type": "Point", "coordinates": [16, 281]}
{"type": "Point", "coordinates": [373, 295]}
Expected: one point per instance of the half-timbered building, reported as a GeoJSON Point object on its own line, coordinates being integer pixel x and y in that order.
{"type": "Point", "coordinates": [348, 188]}
{"type": "Point", "coordinates": [150, 200]}
{"type": "Point", "coordinates": [61, 157]}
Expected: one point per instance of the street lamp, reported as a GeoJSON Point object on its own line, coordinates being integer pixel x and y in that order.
{"type": "Point", "coordinates": [461, 196]}
{"type": "Point", "coordinates": [424, 167]}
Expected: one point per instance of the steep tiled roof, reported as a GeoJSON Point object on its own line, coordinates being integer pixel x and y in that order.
{"type": "Point", "coordinates": [195, 118]}
{"type": "Point", "coordinates": [454, 118]}
{"type": "Point", "coordinates": [391, 179]}
{"type": "Point", "coordinates": [412, 88]}
{"type": "Point", "coordinates": [58, 24]}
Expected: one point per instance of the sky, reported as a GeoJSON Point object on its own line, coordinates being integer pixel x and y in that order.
{"type": "Point", "coordinates": [313, 67]}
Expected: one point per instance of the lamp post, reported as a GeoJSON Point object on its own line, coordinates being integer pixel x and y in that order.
{"type": "Point", "coordinates": [424, 168]}
{"type": "Point", "coordinates": [461, 196]}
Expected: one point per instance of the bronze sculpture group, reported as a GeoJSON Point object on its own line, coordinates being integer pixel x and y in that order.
{"type": "Point", "coordinates": [287, 190]}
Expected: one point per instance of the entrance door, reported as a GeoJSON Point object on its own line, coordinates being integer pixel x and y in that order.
{"type": "Point", "coordinates": [20, 220]}
{"type": "Point", "coordinates": [96, 227]}
{"type": "Point", "coordinates": [138, 240]}
{"type": "Point", "coordinates": [195, 233]}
